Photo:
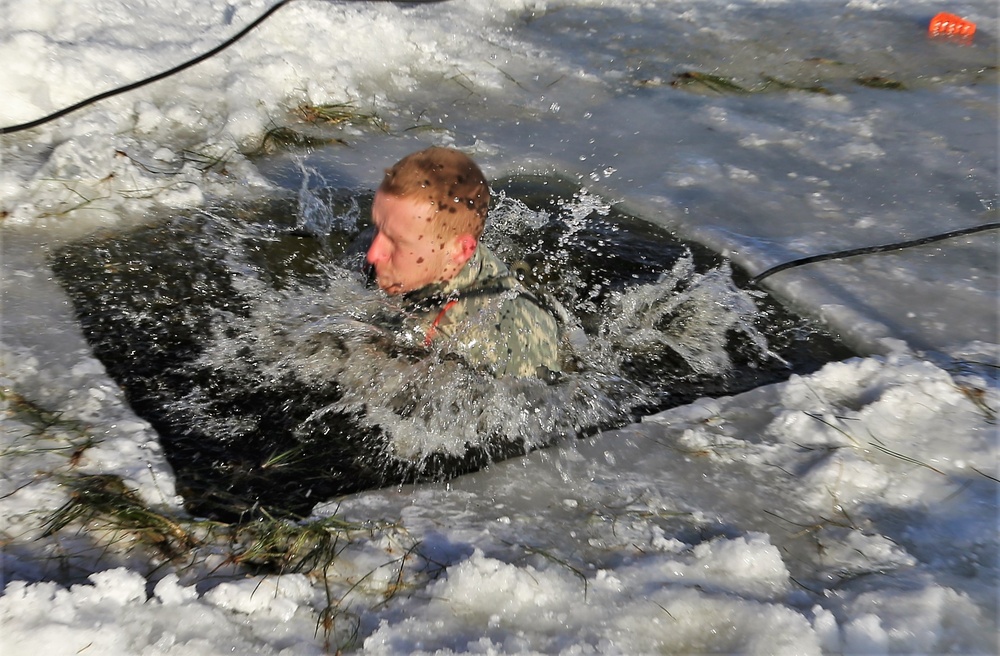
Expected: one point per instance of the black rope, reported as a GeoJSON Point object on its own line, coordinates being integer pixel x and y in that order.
{"type": "Point", "coordinates": [866, 250]}
{"type": "Point", "coordinates": [176, 69]}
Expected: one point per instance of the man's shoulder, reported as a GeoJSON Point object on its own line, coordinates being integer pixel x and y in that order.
{"type": "Point", "coordinates": [502, 322]}
{"type": "Point", "coordinates": [488, 267]}
{"type": "Point", "coordinates": [512, 314]}
{"type": "Point", "coordinates": [524, 312]}
{"type": "Point", "coordinates": [490, 259]}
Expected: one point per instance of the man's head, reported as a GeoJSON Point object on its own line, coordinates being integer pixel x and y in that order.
{"type": "Point", "coordinates": [429, 213]}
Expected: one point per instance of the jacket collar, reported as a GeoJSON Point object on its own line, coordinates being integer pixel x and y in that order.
{"type": "Point", "coordinates": [483, 265]}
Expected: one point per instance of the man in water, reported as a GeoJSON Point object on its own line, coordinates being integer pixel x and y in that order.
{"type": "Point", "coordinates": [429, 214]}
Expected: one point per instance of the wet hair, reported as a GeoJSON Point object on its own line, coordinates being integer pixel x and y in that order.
{"type": "Point", "coordinates": [450, 181]}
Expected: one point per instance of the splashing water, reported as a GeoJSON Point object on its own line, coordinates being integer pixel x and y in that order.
{"type": "Point", "coordinates": [250, 340]}
{"type": "Point", "coordinates": [314, 216]}
{"type": "Point", "coordinates": [689, 313]}
{"type": "Point", "coordinates": [424, 401]}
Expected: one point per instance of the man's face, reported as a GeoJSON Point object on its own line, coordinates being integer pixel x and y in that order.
{"type": "Point", "coordinates": [408, 252]}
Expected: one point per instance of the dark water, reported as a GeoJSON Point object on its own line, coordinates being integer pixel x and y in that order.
{"type": "Point", "coordinates": [275, 378]}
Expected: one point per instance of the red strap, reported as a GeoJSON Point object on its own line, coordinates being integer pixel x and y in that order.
{"type": "Point", "coordinates": [434, 324]}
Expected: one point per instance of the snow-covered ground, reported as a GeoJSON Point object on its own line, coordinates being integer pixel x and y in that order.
{"type": "Point", "coordinates": [853, 510]}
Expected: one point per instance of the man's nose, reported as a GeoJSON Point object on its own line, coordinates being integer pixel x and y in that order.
{"type": "Point", "coordinates": [377, 251]}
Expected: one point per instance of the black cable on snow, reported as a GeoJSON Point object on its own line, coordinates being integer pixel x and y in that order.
{"type": "Point", "coordinates": [176, 69]}
{"type": "Point", "coordinates": [866, 250]}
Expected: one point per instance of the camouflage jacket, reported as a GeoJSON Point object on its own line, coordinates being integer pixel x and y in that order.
{"type": "Point", "coordinates": [485, 315]}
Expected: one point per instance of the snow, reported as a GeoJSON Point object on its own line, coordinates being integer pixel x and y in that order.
{"type": "Point", "coordinates": [853, 510]}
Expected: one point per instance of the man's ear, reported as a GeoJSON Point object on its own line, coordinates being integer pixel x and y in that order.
{"type": "Point", "coordinates": [465, 246]}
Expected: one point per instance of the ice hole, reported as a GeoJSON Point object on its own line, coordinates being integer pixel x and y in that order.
{"type": "Point", "coordinates": [277, 378]}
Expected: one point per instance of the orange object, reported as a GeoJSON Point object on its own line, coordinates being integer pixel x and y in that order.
{"type": "Point", "coordinates": [945, 24]}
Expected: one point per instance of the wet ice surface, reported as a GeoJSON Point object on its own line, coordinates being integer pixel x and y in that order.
{"type": "Point", "coordinates": [847, 511]}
